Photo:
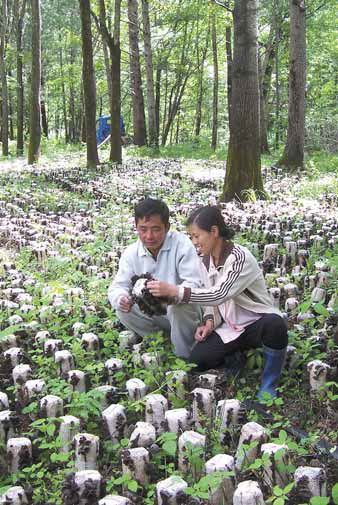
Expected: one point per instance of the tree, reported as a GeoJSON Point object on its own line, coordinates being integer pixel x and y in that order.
{"type": "Point", "coordinates": [139, 122]}
{"type": "Point", "coordinates": [243, 169]}
{"type": "Point", "coordinates": [293, 156]}
{"type": "Point", "coordinates": [148, 55]}
{"type": "Point", "coordinates": [88, 83]}
{"type": "Point", "coordinates": [19, 14]}
{"type": "Point", "coordinates": [3, 73]}
{"type": "Point", "coordinates": [35, 109]}
{"type": "Point", "coordinates": [201, 55]}
{"type": "Point", "coordinates": [215, 86]}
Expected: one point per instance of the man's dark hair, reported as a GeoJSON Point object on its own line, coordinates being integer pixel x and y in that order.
{"type": "Point", "coordinates": [149, 207]}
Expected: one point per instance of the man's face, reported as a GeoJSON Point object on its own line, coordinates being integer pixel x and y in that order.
{"type": "Point", "coordinates": [152, 231]}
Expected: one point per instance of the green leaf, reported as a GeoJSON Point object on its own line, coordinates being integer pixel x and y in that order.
{"type": "Point", "coordinates": [319, 500]}
{"type": "Point", "coordinates": [132, 486]}
{"type": "Point", "coordinates": [170, 447]}
{"type": "Point", "coordinates": [51, 429]}
{"type": "Point", "coordinates": [320, 309]}
{"type": "Point", "coordinates": [335, 494]}
{"type": "Point", "coordinates": [279, 501]}
{"type": "Point", "coordinates": [278, 491]}
{"type": "Point", "coordinates": [282, 436]}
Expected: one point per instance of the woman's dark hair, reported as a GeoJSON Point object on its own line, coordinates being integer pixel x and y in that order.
{"type": "Point", "coordinates": [149, 207]}
{"type": "Point", "coordinates": [207, 217]}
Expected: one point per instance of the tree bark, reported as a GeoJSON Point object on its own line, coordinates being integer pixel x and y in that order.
{"type": "Point", "coordinates": [228, 49]}
{"type": "Point", "coordinates": [139, 123]}
{"type": "Point", "coordinates": [158, 96]}
{"type": "Point", "coordinates": [293, 156]}
{"type": "Point", "coordinates": [19, 12]}
{"type": "Point", "coordinates": [35, 106]}
{"type": "Point", "coordinates": [3, 72]}
{"type": "Point", "coordinates": [215, 85]}
{"type": "Point", "coordinates": [44, 121]}
{"type": "Point", "coordinates": [88, 83]}
{"type": "Point", "coordinates": [243, 170]}
{"type": "Point", "coordinates": [63, 88]}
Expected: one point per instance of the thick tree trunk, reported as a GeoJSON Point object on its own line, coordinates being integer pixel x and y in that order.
{"type": "Point", "coordinates": [139, 123]}
{"type": "Point", "coordinates": [88, 83]}
{"type": "Point", "coordinates": [215, 86]}
{"type": "Point", "coordinates": [3, 73]}
{"type": "Point", "coordinates": [148, 55]}
{"type": "Point", "coordinates": [243, 170]}
{"type": "Point", "coordinates": [228, 49]}
{"type": "Point", "coordinates": [20, 26]}
{"type": "Point", "coordinates": [64, 100]}
{"type": "Point", "coordinates": [35, 106]}
{"type": "Point", "coordinates": [293, 156]}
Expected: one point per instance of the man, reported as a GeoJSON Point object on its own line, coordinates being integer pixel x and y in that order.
{"type": "Point", "coordinates": [168, 256]}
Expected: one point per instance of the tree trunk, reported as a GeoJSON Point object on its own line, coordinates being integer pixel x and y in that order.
{"type": "Point", "coordinates": [64, 101]}
{"type": "Point", "coordinates": [35, 107]}
{"type": "Point", "coordinates": [44, 120]}
{"type": "Point", "coordinates": [201, 61]}
{"type": "Point", "coordinates": [113, 43]}
{"type": "Point", "coordinates": [215, 86]}
{"type": "Point", "coordinates": [148, 55]}
{"type": "Point", "coordinates": [88, 83]}
{"type": "Point", "coordinates": [229, 71]}
{"type": "Point", "coordinates": [243, 170]}
{"type": "Point", "coordinates": [293, 156]}
{"type": "Point", "coordinates": [158, 96]}
{"type": "Point", "coordinates": [139, 123]}
{"type": "Point", "coordinates": [3, 73]}
{"type": "Point", "coordinates": [20, 26]}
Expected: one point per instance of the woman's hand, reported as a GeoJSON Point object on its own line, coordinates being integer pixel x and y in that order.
{"type": "Point", "coordinates": [202, 332]}
{"type": "Point", "coordinates": [160, 288]}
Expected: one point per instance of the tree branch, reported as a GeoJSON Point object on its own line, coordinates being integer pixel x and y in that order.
{"type": "Point", "coordinates": [225, 5]}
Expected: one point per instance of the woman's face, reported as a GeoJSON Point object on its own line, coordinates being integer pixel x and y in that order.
{"type": "Point", "coordinates": [204, 241]}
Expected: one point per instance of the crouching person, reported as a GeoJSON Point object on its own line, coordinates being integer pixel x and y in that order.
{"type": "Point", "coordinates": [168, 256]}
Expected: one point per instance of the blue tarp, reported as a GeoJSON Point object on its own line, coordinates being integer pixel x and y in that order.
{"type": "Point", "coordinates": [103, 128]}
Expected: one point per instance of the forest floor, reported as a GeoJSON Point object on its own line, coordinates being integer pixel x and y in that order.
{"type": "Point", "coordinates": [64, 227]}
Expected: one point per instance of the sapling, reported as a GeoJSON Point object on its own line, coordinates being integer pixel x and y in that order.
{"type": "Point", "coordinates": [115, 419]}
{"type": "Point", "coordinates": [170, 491]}
{"type": "Point", "coordinates": [248, 492]}
{"type": "Point", "coordinates": [86, 451]}
{"type": "Point", "coordinates": [19, 453]}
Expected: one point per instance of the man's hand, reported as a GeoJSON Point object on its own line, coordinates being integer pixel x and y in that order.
{"type": "Point", "coordinates": [125, 304]}
{"type": "Point", "coordinates": [160, 288]}
{"type": "Point", "coordinates": [202, 332]}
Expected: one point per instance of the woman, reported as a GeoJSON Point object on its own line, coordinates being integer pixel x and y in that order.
{"type": "Point", "coordinates": [239, 314]}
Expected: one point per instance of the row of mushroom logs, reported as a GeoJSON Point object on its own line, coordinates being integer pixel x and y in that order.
{"type": "Point", "coordinates": [136, 459]}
